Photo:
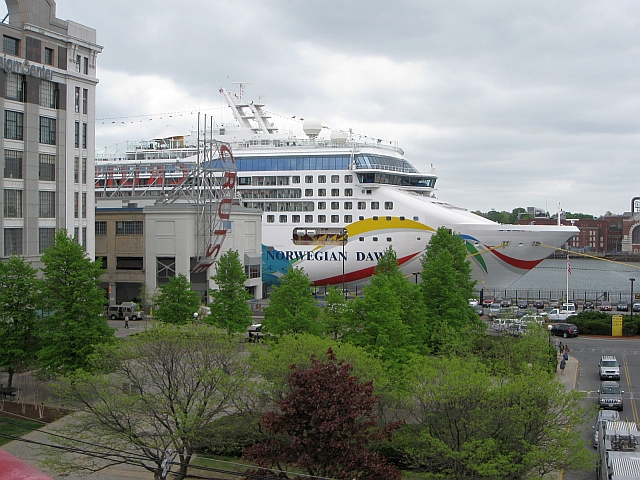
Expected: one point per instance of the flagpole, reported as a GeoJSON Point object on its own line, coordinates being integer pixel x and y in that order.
{"type": "Point", "coordinates": [568, 272]}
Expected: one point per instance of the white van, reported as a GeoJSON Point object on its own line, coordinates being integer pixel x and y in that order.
{"type": "Point", "coordinates": [118, 312]}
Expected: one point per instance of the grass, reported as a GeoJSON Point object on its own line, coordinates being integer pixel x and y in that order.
{"type": "Point", "coordinates": [15, 428]}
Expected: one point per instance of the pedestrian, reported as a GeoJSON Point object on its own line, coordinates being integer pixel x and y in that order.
{"type": "Point", "coordinates": [566, 349]}
{"type": "Point", "coordinates": [565, 356]}
{"type": "Point", "coordinates": [563, 364]}
{"type": "Point", "coordinates": [560, 348]}
{"type": "Point", "coordinates": [126, 321]}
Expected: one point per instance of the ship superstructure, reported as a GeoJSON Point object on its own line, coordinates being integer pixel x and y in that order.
{"type": "Point", "coordinates": [330, 205]}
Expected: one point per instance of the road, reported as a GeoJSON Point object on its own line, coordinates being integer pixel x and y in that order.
{"type": "Point", "coordinates": [588, 350]}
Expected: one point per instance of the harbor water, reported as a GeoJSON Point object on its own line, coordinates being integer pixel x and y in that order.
{"type": "Point", "coordinates": [590, 279]}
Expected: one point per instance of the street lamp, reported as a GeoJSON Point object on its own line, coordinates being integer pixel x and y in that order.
{"type": "Point", "coordinates": [632, 280]}
{"type": "Point", "coordinates": [344, 239]}
{"type": "Point", "coordinates": [549, 327]}
{"type": "Point", "coordinates": [415, 274]}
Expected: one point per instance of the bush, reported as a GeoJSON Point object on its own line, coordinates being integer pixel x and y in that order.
{"type": "Point", "coordinates": [599, 323]}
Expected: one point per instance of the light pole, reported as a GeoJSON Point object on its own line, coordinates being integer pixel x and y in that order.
{"type": "Point", "coordinates": [415, 274]}
{"type": "Point", "coordinates": [344, 239]}
{"type": "Point", "coordinates": [549, 327]}
{"type": "Point", "coordinates": [631, 280]}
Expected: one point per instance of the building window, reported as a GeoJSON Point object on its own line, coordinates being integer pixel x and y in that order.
{"type": "Point", "coordinates": [322, 218]}
{"type": "Point", "coordinates": [12, 164]}
{"type": "Point", "coordinates": [335, 218]}
{"type": "Point", "coordinates": [85, 100]}
{"type": "Point", "coordinates": [84, 238]}
{"type": "Point", "coordinates": [322, 205]}
{"type": "Point", "coordinates": [252, 271]}
{"type": "Point", "coordinates": [308, 219]}
{"type": "Point", "coordinates": [47, 167]}
{"type": "Point", "coordinates": [271, 218]}
{"type": "Point", "coordinates": [322, 179]}
{"type": "Point", "coordinates": [78, 60]}
{"type": "Point", "coordinates": [348, 205]}
{"type": "Point", "coordinates": [283, 219]}
{"type": "Point", "coordinates": [48, 94]}
{"type": "Point", "coordinates": [308, 179]}
{"type": "Point", "coordinates": [48, 56]}
{"type": "Point", "coordinates": [85, 66]}
{"type": "Point", "coordinates": [335, 178]}
{"type": "Point", "coordinates": [322, 192]}
{"type": "Point", "coordinates": [348, 192]}
{"type": "Point", "coordinates": [362, 205]}
{"type": "Point", "coordinates": [375, 205]}
{"type": "Point", "coordinates": [47, 204]}
{"type": "Point", "coordinates": [335, 205]}
{"type": "Point", "coordinates": [84, 204]}
{"type": "Point", "coordinates": [129, 227]}
{"type": "Point", "coordinates": [11, 45]}
{"type": "Point", "coordinates": [12, 203]}
{"type": "Point", "coordinates": [295, 179]}
{"type": "Point", "coordinates": [77, 135]}
{"type": "Point", "coordinates": [335, 192]}
{"type": "Point", "coordinates": [165, 269]}
{"type": "Point", "coordinates": [101, 228]}
{"type": "Point", "coordinates": [46, 238]}
{"type": "Point", "coordinates": [76, 169]}
{"type": "Point", "coordinates": [84, 170]}
{"type": "Point", "coordinates": [308, 192]}
{"type": "Point", "coordinates": [348, 179]}
{"type": "Point", "coordinates": [348, 219]}
{"type": "Point", "coordinates": [84, 135]}
{"type": "Point", "coordinates": [388, 205]}
{"type": "Point", "coordinates": [48, 130]}
{"type": "Point", "coordinates": [12, 241]}
{"type": "Point", "coordinates": [77, 100]}
{"type": "Point", "coordinates": [75, 205]}
{"type": "Point", "coordinates": [295, 218]}
{"type": "Point", "coordinates": [129, 263]}
{"type": "Point", "coordinates": [13, 125]}
{"type": "Point", "coordinates": [14, 87]}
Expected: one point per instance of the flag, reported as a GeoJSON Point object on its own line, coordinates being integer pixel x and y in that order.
{"type": "Point", "coordinates": [568, 265]}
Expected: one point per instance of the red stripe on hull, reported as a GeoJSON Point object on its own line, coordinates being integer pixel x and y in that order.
{"type": "Point", "coordinates": [514, 262]}
{"type": "Point", "coordinates": [358, 274]}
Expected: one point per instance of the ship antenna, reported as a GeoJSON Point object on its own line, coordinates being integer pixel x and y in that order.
{"type": "Point", "coordinates": [241, 86]}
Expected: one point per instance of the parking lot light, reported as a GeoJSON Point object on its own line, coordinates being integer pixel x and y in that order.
{"type": "Point", "coordinates": [632, 280]}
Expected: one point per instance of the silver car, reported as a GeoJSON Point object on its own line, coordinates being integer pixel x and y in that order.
{"type": "Point", "coordinates": [603, 417]}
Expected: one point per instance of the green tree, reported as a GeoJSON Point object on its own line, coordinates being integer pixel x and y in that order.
{"type": "Point", "coordinates": [177, 302]}
{"type": "Point", "coordinates": [74, 325]}
{"type": "Point", "coordinates": [19, 293]}
{"type": "Point", "coordinates": [292, 307]}
{"type": "Point", "coordinates": [332, 315]}
{"type": "Point", "coordinates": [171, 387]}
{"type": "Point", "coordinates": [446, 288]}
{"type": "Point", "coordinates": [229, 308]}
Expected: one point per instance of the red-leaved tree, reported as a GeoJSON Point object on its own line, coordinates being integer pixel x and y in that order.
{"type": "Point", "coordinates": [325, 426]}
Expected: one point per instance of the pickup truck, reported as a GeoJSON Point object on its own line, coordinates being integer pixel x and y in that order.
{"type": "Point", "coordinates": [561, 315]}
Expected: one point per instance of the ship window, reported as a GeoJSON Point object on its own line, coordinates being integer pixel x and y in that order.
{"type": "Point", "coordinates": [322, 179]}
{"type": "Point", "coordinates": [308, 219]}
{"type": "Point", "coordinates": [322, 205]}
{"type": "Point", "coordinates": [348, 219]}
{"type": "Point", "coordinates": [295, 218]}
{"type": "Point", "coordinates": [271, 218]}
{"type": "Point", "coordinates": [322, 192]}
{"type": "Point", "coordinates": [295, 179]}
{"type": "Point", "coordinates": [362, 205]}
{"type": "Point", "coordinates": [308, 192]}
{"type": "Point", "coordinates": [335, 178]}
{"type": "Point", "coordinates": [283, 219]}
{"type": "Point", "coordinates": [375, 239]}
{"type": "Point", "coordinates": [335, 192]}
{"type": "Point", "coordinates": [335, 218]}
{"type": "Point", "coordinates": [308, 179]}
{"type": "Point", "coordinates": [401, 219]}
{"type": "Point", "coordinates": [375, 205]}
{"type": "Point", "coordinates": [348, 205]}
{"type": "Point", "coordinates": [388, 205]}
{"type": "Point", "coordinates": [361, 239]}
{"type": "Point", "coordinates": [322, 218]}
{"type": "Point", "coordinates": [375, 218]}
{"type": "Point", "coordinates": [360, 217]}
{"type": "Point", "coordinates": [415, 219]}
{"type": "Point", "coordinates": [348, 192]}
{"type": "Point", "coordinates": [388, 219]}
{"type": "Point", "coordinates": [388, 239]}
{"type": "Point", "coordinates": [348, 179]}
{"type": "Point", "coordinates": [335, 205]}
{"type": "Point", "coordinates": [244, 180]}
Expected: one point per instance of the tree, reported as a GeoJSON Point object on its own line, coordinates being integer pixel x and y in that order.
{"type": "Point", "coordinates": [229, 308]}
{"type": "Point", "coordinates": [325, 426]}
{"type": "Point", "coordinates": [19, 295]}
{"type": "Point", "coordinates": [176, 302]}
{"type": "Point", "coordinates": [292, 308]}
{"type": "Point", "coordinates": [170, 387]}
{"type": "Point", "coordinates": [332, 316]}
{"type": "Point", "coordinates": [446, 288]}
{"type": "Point", "coordinates": [74, 302]}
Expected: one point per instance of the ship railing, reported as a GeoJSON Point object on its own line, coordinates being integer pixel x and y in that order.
{"type": "Point", "coordinates": [390, 168]}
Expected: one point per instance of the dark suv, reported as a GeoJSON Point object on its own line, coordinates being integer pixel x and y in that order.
{"type": "Point", "coordinates": [538, 304]}
{"type": "Point", "coordinates": [565, 330]}
{"type": "Point", "coordinates": [610, 396]}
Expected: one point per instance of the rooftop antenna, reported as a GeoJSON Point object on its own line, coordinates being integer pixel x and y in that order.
{"type": "Point", "coordinates": [241, 86]}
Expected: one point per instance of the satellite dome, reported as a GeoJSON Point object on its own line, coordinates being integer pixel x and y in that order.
{"type": "Point", "coordinates": [338, 136]}
{"type": "Point", "coordinates": [312, 127]}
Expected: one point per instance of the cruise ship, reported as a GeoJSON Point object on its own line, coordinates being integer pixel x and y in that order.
{"type": "Point", "coordinates": [331, 201]}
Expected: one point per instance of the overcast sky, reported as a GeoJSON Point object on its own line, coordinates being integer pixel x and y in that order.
{"type": "Point", "coordinates": [515, 103]}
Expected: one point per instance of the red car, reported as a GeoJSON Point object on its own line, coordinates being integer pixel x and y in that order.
{"type": "Point", "coordinates": [605, 306]}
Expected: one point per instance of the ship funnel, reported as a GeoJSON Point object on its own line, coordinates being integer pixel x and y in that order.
{"type": "Point", "coordinates": [312, 127]}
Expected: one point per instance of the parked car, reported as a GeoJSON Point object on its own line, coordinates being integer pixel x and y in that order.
{"type": "Point", "coordinates": [487, 301]}
{"type": "Point", "coordinates": [636, 307]}
{"type": "Point", "coordinates": [523, 304]}
{"type": "Point", "coordinates": [588, 305]}
{"type": "Point", "coordinates": [610, 396]}
{"type": "Point", "coordinates": [539, 304]}
{"type": "Point", "coordinates": [565, 330]}
{"type": "Point", "coordinates": [473, 302]}
{"type": "Point", "coordinates": [605, 306]}
{"type": "Point", "coordinates": [479, 309]}
{"type": "Point", "coordinates": [494, 310]}
{"type": "Point", "coordinates": [603, 417]}
{"type": "Point", "coordinates": [622, 306]}
{"type": "Point", "coordinates": [505, 302]}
